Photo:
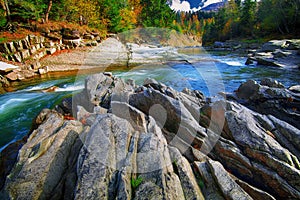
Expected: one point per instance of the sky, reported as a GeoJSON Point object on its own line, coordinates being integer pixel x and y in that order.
{"type": "Point", "coordinates": [190, 5]}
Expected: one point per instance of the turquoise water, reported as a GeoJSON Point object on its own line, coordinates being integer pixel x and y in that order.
{"type": "Point", "coordinates": [209, 73]}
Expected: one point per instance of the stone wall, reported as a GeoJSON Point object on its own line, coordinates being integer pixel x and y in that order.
{"type": "Point", "coordinates": [32, 48]}
{"type": "Point", "coordinates": [21, 50]}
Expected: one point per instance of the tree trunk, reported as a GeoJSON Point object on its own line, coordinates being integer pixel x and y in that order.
{"type": "Point", "coordinates": [48, 11]}
{"type": "Point", "coordinates": [5, 6]}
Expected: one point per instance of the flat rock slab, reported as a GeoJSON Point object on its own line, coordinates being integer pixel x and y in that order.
{"type": "Point", "coordinates": [5, 67]}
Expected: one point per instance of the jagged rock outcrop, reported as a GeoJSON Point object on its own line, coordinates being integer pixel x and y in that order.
{"type": "Point", "coordinates": [277, 53]}
{"type": "Point", "coordinates": [256, 149]}
{"type": "Point", "coordinates": [152, 142]}
{"type": "Point", "coordinates": [270, 98]}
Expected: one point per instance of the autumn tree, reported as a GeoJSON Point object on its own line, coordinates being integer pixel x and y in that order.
{"type": "Point", "coordinates": [136, 9]}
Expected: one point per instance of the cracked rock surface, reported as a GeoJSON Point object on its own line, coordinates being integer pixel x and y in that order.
{"type": "Point", "coordinates": [152, 142]}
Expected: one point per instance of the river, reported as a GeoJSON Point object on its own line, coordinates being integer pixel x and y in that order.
{"type": "Point", "coordinates": [211, 73]}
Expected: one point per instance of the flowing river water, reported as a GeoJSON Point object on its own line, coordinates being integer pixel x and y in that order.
{"type": "Point", "coordinates": [210, 74]}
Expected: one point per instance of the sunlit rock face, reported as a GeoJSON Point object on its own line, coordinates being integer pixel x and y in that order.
{"type": "Point", "coordinates": [153, 142]}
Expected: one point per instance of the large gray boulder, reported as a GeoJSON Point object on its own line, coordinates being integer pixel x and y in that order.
{"type": "Point", "coordinates": [46, 164]}
{"type": "Point", "coordinates": [270, 98]}
{"type": "Point", "coordinates": [152, 142]}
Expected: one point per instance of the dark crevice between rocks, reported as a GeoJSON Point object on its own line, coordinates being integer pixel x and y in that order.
{"type": "Point", "coordinates": [8, 159]}
{"type": "Point", "coordinates": [198, 178]}
{"type": "Point", "coordinates": [113, 185]}
{"type": "Point", "coordinates": [210, 187]}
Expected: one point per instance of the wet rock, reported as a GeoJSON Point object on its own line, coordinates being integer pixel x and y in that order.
{"type": "Point", "coordinates": [293, 44]}
{"type": "Point", "coordinates": [248, 90]}
{"type": "Point", "coordinates": [295, 88]}
{"type": "Point", "coordinates": [65, 107]}
{"type": "Point", "coordinates": [250, 60]}
{"type": "Point", "coordinates": [280, 102]}
{"type": "Point", "coordinates": [154, 142]}
{"type": "Point", "coordinates": [41, 118]}
{"type": "Point", "coordinates": [268, 62]}
{"type": "Point", "coordinates": [271, 83]}
{"type": "Point", "coordinates": [273, 45]}
{"type": "Point", "coordinates": [149, 81]}
{"type": "Point", "coordinates": [277, 53]}
{"type": "Point", "coordinates": [219, 45]}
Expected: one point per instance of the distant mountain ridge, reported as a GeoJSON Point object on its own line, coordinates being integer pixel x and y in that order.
{"type": "Point", "coordinates": [214, 7]}
{"type": "Point", "coordinates": [195, 5]}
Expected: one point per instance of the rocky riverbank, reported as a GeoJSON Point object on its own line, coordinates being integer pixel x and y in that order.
{"type": "Point", "coordinates": [275, 53]}
{"type": "Point", "coordinates": [119, 140]}
{"type": "Point", "coordinates": [71, 50]}
{"type": "Point", "coordinates": [25, 55]}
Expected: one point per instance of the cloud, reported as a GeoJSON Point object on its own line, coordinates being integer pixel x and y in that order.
{"type": "Point", "coordinates": [211, 2]}
{"type": "Point", "coordinates": [185, 6]}
{"type": "Point", "coordinates": [180, 6]}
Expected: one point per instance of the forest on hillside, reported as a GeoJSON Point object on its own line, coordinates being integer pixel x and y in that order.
{"type": "Point", "coordinates": [248, 19]}
{"type": "Point", "coordinates": [237, 19]}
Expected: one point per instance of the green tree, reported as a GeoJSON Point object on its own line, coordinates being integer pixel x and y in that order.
{"type": "Point", "coordinates": [248, 17]}
{"type": "Point", "coordinates": [280, 16]}
{"type": "Point", "coordinates": [156, 13]}
{"type": "Point", "coordinates": [5, 17]}
{"type": "Point", "coordinates": [25, 10]}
